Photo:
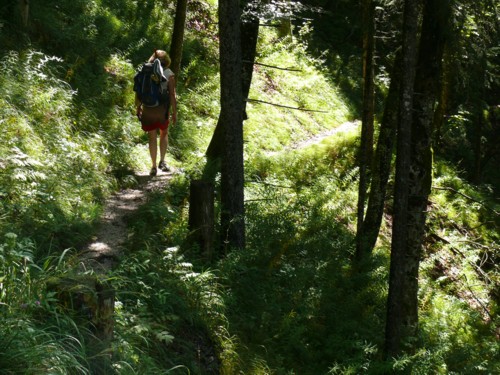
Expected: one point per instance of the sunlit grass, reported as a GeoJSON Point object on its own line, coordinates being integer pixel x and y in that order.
{"type": "Point", "coordinates": [290, 302]}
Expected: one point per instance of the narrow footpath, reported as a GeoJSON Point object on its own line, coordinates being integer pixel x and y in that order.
{"type": "Point", "coordinates": [107, 245]}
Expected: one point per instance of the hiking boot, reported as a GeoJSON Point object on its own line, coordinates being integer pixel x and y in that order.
{"type": "Point", "coordinates": [163, 166]}
{"type": "Point", "coordinates": [152, 172]}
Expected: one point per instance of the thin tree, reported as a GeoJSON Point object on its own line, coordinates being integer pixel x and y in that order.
{"type": "Point", "coordinates": [366, 147]}
{"type": "Point", "coordinates": [231, 118]}
{"type": "Point", "coordinates": [395, 321]}
{"type": "Point", "coordinates": [381, 166]}
{"type": "Point", "coordinates": [178, 36]}
{"type": "Point", "coordinates": [249, 35]}
{"type": "Point", "coordinates": [216, 151]}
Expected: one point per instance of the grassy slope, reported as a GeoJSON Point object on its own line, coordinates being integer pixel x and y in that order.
{"type": "Point", "coordinates": [289, 303]}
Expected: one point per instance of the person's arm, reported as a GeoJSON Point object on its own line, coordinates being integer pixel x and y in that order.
{"type": "Point", "coordinates": [173, 98]}
{"type": "Point", "coordinates": [138, 107]}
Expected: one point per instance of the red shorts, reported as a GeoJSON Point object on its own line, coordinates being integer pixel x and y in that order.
{"type": "Point", "coordinates": [155, 125]}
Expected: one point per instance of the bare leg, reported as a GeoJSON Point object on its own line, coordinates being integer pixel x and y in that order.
{"type": "Point", "coordinates": [163, 143]}
{"type": "Point", "coordinates": [153, 146]}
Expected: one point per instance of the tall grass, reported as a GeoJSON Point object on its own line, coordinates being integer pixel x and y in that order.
{"type": "Point", "coordinates": [36, 336]}
{"type": "Point", "coordinates": [290, 302]}
{"type": "Point", "coordinates": [55, 165]}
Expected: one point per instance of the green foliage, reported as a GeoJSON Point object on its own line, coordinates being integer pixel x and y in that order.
{"type": "Point", "coordinates": [37, 188]}
{"type": "Point", "coordinates": [459, 280]}
{"type": "Point", "coordinates": [163, 310]}
{"type": "Point", "coordinates": [294, 301]}
{"type": "Point", "coordinates": [291, 302]}
{"type": "Point", "coordinates": [36, 337]}
{"type": "Point", "coordinates": [30, 349]}
{"type": "Point", "coordinates": [59, 143]}
{"type": "Point", "coordinates": [271, 127]}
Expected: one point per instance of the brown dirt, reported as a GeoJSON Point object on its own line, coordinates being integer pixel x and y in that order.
{"type": "Point", "coordinates": [103, 252]}
{"type": "Point", "coordinates": [344, 128]}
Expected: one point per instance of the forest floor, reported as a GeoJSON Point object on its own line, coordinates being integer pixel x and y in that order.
{"type": "Point", "coordinates": [106, 247]}
{"type": "Point", "coordinates": [344, 128]}
{"type": "Point", "coordinates": [103, 252]}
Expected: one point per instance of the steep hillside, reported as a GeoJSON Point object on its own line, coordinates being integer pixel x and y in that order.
{"type": "Point", "coordinates": [291, 302]}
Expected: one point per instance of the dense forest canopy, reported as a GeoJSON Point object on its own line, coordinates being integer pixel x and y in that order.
{"type": "Point", "coordinates": [346, 159]}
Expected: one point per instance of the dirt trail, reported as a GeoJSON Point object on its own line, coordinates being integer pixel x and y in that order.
{"type": "Point", "coordinates": [344, 128]}
{"type": "Point", "coordinates": [107, 245]}
{"type": "Point", "coordinates": [108, 242]}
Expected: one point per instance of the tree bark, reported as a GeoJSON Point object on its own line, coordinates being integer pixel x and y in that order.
{"type": "Point", "coordinates": [231, 118]}
{"type": "Point", "coordinates": [201, 216]}
{"type": "Point", "coordinates": [249, 36]}
{"type": "Point", "coordinates": [382, 163]}
{"type": "Point", "coordinates": [394, 331]}
{"type": "Point", "coordinates": [405, 293]}
{"type": "Point", "coordinates": [25, 11]}
{"type": "Point", "coordinates": [478, 149]}
{"type": "Point", "coordinates": [178, 36]}
{"type": "Point", "coordinates": [434, 30]}
{"type": "Point", "coordinates": [444, 97]}
{"type": "Point", "coordinates": [366, 146]}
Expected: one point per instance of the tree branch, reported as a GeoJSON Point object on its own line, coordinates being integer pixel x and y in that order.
{"type": "Point", "coordinates": [467, 197]}
{"type": "Point", "coordinates": [283, 106]}
{"type": "Point", "coordinates": [271, 66]}
{"type": "Point", "coordinates": [269, 184]}
{"type": "Point", "coordinates": [485, 309]}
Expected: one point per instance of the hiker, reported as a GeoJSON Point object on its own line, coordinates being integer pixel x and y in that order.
{"type": "Point", "coordinates": [154, 118]}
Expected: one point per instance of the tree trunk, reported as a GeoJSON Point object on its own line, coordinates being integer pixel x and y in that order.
{"type": "Point", "coordinates": [478, 136]}
{"type": "Point", "coordinates": [382, 164]}
{"type": "Point", "coordinates": [25, 11]}
{"type": "Point", "coordinates": [394, 331]}
{"type": "Point", "coordinates": [366, 147]}
{"type": "Point", "coordinates": [479, 118]}
{"type": "Point", "coordinates": [178, 36]}
{"type": "Point", "coordinates": [434, 29]}
{"type": "Point", "coordinates": [249, 35]}
{"type": "Point", "coordinates": [232, 172]}
{"type": "Point", "coordinates": [435, 19]}
{"type": "Point", "coordinates": [201, 216]}
{"type": "Point", "coordinates": [444, 95]}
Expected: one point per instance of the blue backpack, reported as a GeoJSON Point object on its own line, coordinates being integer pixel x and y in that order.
{"type": "Point", "coordinates": [151, 85]}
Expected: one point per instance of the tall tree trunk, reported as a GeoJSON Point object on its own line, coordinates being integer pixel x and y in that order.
{"type": "Point", "coordinates": [366, 147]}
{"type": "Point", "coordinates": [480, 106]}
{"type": "Point", "coordinates": [478, 149]}
{"type": "Point", "coordinates": [232, 172]}
{"type": "Point", "coordinates": [432, 42]}
{"type": "Point", "coordinates": [382, 163]}
{"type": "Point", "coordinates": [394, 331]}
{"type": "Point", "coordinates": [25, 11]}
{"type": "Point", "coordinates": [178, 36]}
{"type": "Point", "coordinates": [249, 29]}
{"type": "Point", "coordinates": [249, 36]}
{"type": "Point", "coordinates": [444, 96]}
{"type": "Point", "coordinates": [434, 28]}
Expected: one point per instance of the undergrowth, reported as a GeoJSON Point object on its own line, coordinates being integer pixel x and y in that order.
{"type": "Point", "coordinates": [290, 303]}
